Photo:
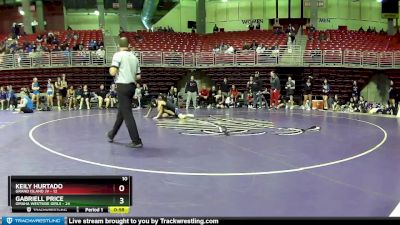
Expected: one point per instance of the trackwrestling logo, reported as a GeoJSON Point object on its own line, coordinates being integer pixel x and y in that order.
{"type": "Point", "coordinates": [222, 126]}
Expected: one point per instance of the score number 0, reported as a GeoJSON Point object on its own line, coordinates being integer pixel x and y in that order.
{"type": "Point", "coordinates": [121, 188]}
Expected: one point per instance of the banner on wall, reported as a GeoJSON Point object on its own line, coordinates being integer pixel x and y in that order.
{"type": "Point", "coordinates": [325, 20]}
{"type": "Point", "coordinates": [253, 21]}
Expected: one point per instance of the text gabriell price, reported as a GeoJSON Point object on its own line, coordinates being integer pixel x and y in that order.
{"type": "Point", "coordinates": [39, 198]}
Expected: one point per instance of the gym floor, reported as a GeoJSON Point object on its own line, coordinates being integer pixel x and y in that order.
{"type": "Point", "coordinates": [232, 162]}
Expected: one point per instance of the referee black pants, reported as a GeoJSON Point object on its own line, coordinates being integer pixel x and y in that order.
{"type": "Point", "coordinates": [125, 94]}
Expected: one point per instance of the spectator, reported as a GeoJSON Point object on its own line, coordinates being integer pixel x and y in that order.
{"type": "Point", "coordinates": [39, 38]}
{"type": "Point", "coordinates": [234, 95]}
{"type": "Point", "coordinates": [76, 36]}
{"type": "Point", "coordinates": [81, 46]}
{"type": "Point", "coordinates": [225, 87]}
{"type": "Point", "coordinates": [191, 91]}
{"type": "Point", "coordinates": [251, 26]}
{"type": "Point", "coordinates": [369, 30]}
{"type": "Point", "coordinates": [325, 92]}
{"type": "Point", "coordinates": [211, 97]}
{"type": "Point", "coordinates": [69, 28]}
{"type": "Point", "coordinates": [258, 26]}
{"type": "Point", "coordinates": [256, 87]}
{"type": "Point", "coordinates": [392, 98]}
{"type": "Point", "coordinates": [3, 97]}
{"type": "Point", "coordinates": [203, 96]}
{"type": "Point", "coordinates": [220, 100]}
{"type": "Point", "coordinates": [253, 45]}
{"type": "Point", "coordinates": [193, 30]}
{"type": "Point", "coordinates": [85, 97]}
{"type": "Point", "coordinates": [50, 93]}
{"type": "Point", "coordinates": [101, 53]}
{"type": "Point", "coordinates": [246, 46]}
{"type": "Point", "coordinates": [172, 95]}
{"type": "Point", "coordinates": [290, 87]}
{"type": "Point", "coordinates": [101, 95]}
{"type": "Point", "coordinates": [11, 98]}
{"type": "Point", "coordinates": [111, 97]}
{"type": "Point", "coordinates": [26, 105]}
{"type": "Point", "coordinates": [146, 94]}
{"type": "Point", "coordinates": [216, 49]}
{"type": "Point", "coordinates": [230, 50]}
{"type": "Point", "coordinates": [336, 103]}
{"type": "Point", "coordinates": [355, 92]}
{"type": "Point", "coordinates": [260, 49]}
{"type": "Point", "coordinates": [307, 94]}
{"type": "Point", "coordinates": [75, 47]}
{"type": "Point", "coordinates": [275, 89]}
{"type": "Point", "coordinates": [138, 96]}
{"type": "Point", "coordinates": [215, 29]}
{"type": "Point", "coordinates": [71, 98]}
{"type": "Point", "coordinates": [359, 30]}
{"type": "Point", "coordinates": [292, 37]}
{"type": "Point", "coordinates": [36, 92]}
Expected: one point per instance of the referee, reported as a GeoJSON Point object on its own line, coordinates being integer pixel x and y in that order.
{"type": "Point", "coordinates": [125, 68]}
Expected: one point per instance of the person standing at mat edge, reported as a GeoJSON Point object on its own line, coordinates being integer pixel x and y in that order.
{"type": "Point", "coordinates": [125, 69]}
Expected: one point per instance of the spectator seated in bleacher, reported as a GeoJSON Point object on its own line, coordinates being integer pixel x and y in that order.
{"type": "Point", "coordinates": [277, 31]}
{"type": "Point", "coordinates": [260, 49]}
{"type": "Point", "coordinates": [361, 29]}
{"type": "Point", "coordinates": [39, 38]}
{"type": "Point", "coordinates": [230, 50]}
{"type": "Point", "coordinates": [246, 46]}
{"type": "Point", "coordinates": [81, 46]}
{"type": "Point", "coordinates": [216, 49]}
{"type": "Point", "coordinates": [92, 45]}
{"type": "Point", "coordinates": [75, 36]}
{"type": "Point", "coordinates": [253, 45]}
{"type": "Point", "coordinates": [100, 53]}
{"type": "Point", "coordinates": [258, 26]}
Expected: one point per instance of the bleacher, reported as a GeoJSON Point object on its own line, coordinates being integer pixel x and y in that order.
{"type": "Point", "coordinates": [348, 40]}
{"type": "Point", "coordinates": [238, 38]}
{"type": "Point", "coordinates": [162, 41]}
{"type": "Point", "coordinates": [84, 36]}
{"type": "Point", "coordinates": [187, 42]}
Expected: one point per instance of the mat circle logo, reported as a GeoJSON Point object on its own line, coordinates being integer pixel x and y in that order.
{"type": "Point", "coordinates": [222, 126]}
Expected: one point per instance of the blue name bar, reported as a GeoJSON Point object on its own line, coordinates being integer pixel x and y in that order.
{"type": "Point", "coordinates": [13, 220]}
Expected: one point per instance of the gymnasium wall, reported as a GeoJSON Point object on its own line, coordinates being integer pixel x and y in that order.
{"type": "Point", "coordinates": [352, 14]}
{"type": "Point", "coordinates": [178, 17]}
{"type": "Point", "coordinates": [334, 13]}
{"type": "Point", "coordinates": [89, 21]}
{"type": "Point", "coordinates": [53, 14]}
